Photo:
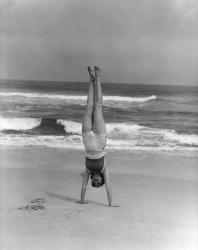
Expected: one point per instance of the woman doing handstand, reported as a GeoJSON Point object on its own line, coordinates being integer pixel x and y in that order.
{"type": "Point", "coordinates": [94, 138]}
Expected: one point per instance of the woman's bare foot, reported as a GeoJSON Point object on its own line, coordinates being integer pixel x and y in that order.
{"type": "Point", "coordinates": [97, 72]}
{"type": "Point", "coordinates": [91, 74]}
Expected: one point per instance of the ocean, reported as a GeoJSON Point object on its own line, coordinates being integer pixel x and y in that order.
{"type": "Point", "coordinates": [138, 117]}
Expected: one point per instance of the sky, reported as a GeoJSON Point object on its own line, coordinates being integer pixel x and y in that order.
{"type": "Point", "coordinates": [133, 41]}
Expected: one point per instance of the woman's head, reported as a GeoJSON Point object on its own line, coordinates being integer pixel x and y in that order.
{"type": "Point", "coordinates": [97, 180]}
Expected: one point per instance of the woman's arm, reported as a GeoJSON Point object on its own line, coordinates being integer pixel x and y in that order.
{"type": "Point", "coordinates": [108, 186]}
{"type": "Point", "coordinates": [84, 185]}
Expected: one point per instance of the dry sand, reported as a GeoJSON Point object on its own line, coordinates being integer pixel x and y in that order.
{"type": "Point", "coordinates": [157, 194]}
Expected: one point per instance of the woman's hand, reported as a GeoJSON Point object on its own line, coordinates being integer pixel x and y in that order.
{"type": "Point", "coordinates": [81, 202]}
{"type": "Point", "coordinates": [113, 205]}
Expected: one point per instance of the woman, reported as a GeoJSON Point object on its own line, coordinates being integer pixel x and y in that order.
{"type": "Point", "coordinates": [94, 138]}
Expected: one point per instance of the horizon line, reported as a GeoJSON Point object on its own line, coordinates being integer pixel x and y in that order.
{"type": "Point", "coordinates": [127, 83]}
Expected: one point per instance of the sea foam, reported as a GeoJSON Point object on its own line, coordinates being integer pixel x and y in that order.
{"type": "Point", "coordinates": [74, 142]}
{"type": "Point", "coordinates": [78, 98]}
{"type": "Point", "coordinates": [71, 126]}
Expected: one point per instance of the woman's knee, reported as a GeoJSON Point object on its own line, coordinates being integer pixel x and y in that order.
{"type": "Point", "coordinates": [98, 107]}
{"type": "Point", "coordinates": [89, 108]}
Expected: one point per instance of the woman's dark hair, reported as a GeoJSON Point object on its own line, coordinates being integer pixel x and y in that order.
{"type": "Point", "coordinates": [98, 184]}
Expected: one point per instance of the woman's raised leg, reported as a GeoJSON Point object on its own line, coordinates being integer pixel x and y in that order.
{"type": "Point", "coordinates": [87, 124]}
{"type": "Point", "coordinates": [98, 119]}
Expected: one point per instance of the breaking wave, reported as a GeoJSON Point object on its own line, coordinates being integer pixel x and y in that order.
{"type": "Point", "coordinates": [66, 133]}
{"type": "Point", "coordinates": [78, 98]}
{"type": "Point", "coordinates": [18, 123]}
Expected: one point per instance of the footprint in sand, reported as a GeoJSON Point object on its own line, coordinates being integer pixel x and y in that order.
{"type": "Point", "coordinates": [36, 204]}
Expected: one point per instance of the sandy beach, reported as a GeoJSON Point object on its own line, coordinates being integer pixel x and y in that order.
{"type": "Point", "coordinates": [156, 194]}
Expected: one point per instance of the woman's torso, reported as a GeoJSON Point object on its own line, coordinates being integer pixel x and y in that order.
{"type": "Point", "coordinates": [95, 165]}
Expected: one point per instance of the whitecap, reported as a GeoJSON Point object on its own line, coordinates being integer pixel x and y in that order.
{"type": "Point", "coordinates": [8, 123]}
{"type": "Point", "coordinates": [78, 98]}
